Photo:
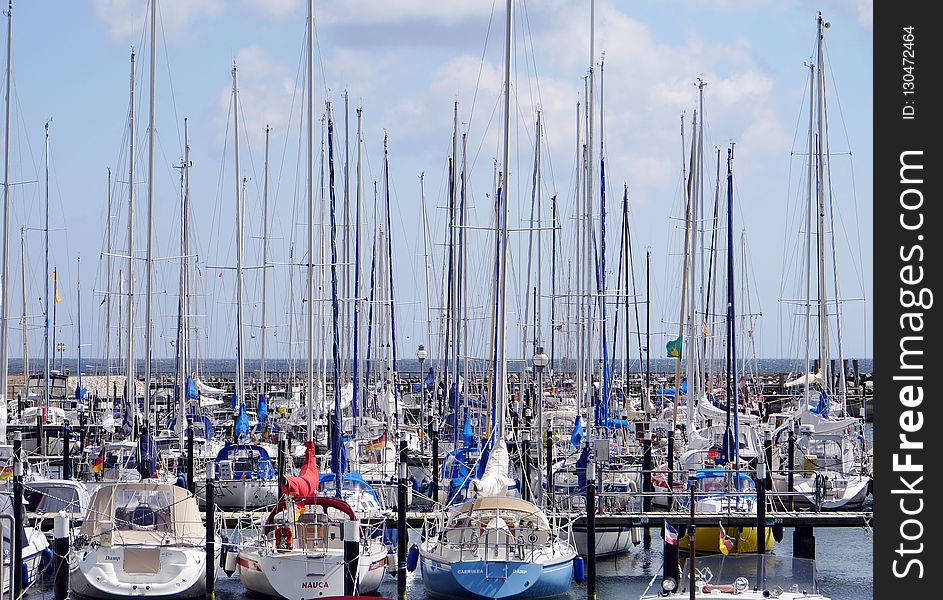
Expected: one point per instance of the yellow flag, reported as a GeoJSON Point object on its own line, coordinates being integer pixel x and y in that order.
{"type": "Point", "coordinates": [56, 287]}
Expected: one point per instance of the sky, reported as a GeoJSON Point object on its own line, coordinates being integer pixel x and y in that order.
{"type": "Point", "coordinates": [406, 62]}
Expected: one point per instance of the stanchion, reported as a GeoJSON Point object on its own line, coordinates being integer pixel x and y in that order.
{"type": "Point", "coordinates": [692, 483]}
{"type": "Point", "coordinates": [66, 454]}
{"type": "Point", "coordinates": [351, 556]}
{"type": "Point", "coordinates": [17, 516]}
{"type": "Point", "coordinates": [401, 524]}
{"type": "Point", "coordinates": [191, 467]}
{"type": "Point", "coordinates": [761, 503]}
{"type": "Point", "coordinates": [434, 436]}
{"type": "Point", "coordinates": [60, 556]}
{"type": "Point", "coordinates": [791, 465]}
{"type": "Point", "coordinates": [549, 450]}
{"type": "Point", "coordinates": [590, 528]}
{"type": "Point", "coordinates": [647, 482]}
{"type": "Point", "coordinates": [210, 531]}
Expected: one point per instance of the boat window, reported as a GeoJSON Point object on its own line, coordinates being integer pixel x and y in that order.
{"type": "Point", "coordinates": [148, 510]}
{"type": "Point", "coordinates": [53, 499]}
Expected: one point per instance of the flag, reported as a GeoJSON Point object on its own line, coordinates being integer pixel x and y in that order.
{"type": "Point", "coordinates": [671, 534]}
{"type": "Point", "coordinates": [674, 348]}
{"type": "Point", "coordinates": [377, 444]}
{"type": "Point", "coordinates": [56, 287]}
{"type": "Point", "coordinates": [300, 509]}
{"type": "Point", "coordinates": [6, 472]}
{"type": "Point", "coordinates": [726, 542]}
{"type": "Point", "coordinates": [99, 463]}
{"type": "Point", "coordinates": [558, 328]}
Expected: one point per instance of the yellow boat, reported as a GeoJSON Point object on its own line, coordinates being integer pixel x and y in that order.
{"type": "Point", "coordinates": [707, 540]}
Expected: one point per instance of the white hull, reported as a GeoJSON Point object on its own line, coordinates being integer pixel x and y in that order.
{"type": "Point", "coordinates": [110, 573]}
{"type": "Point", "coordinates": [609, 542]}
{"type": "Point", "coordinates": [299, 575]}
{"type": "Point", "coordinates": [240, 494]}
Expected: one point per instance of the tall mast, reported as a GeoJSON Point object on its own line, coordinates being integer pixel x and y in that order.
{"type": "Point", "coordinates": [108, 279]}
{"type": "Point", "coordinates": [4, 278]}
{"type": "Point", "coordinates": [46, 279]}
{"type": "Point", "coordinates": [355, 400]}
{"type": "Point", "coordinates": [240, 372]}
{"type": "Point", "coordinates": [149, 260]}
{"type": "Point", "coordinates": [309, 389]}
{"type": "Point", "coordinates": [338, 441]}
{"type": "Point", "coordinates": [804, 405]}
{"type": "Point", "coordinates": [733, 450]}
{"type": "Point", "coordinates": [820, 194]}
{"type": "Point", "coordinates": [183, 369]}
{"type": "Point", "coordinates": [23, 317]}
{"type": "Point", "coordinates": [78, 324]}
{"type": "Point", "coordinates": [263, 333]}
{"type": "Point", "coordinates": [501, 367]}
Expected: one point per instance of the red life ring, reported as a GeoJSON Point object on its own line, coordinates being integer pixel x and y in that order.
{"type": "Point", "coordinates": [283, 537]}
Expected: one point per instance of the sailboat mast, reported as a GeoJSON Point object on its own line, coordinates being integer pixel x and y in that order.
{"type": "Point", "coordinates": [78, 325]}
{"type": "Point", "coordinates": [820, 194]}
{"type": "Point", "coordinates": [149, 260]}
{"type": "Point", "coordinates": [46, 279]}
{"type": "Point", "coordinates": [804, 404]}
{"type": "Point", "coordinates": [309, 389]}
{"type": "Point", "coordinates": [501, 367]}
{"type": "Point", "coordinates": [108, 279]}
{"type": "Point", "coordinates": [240, 373]}
{"type": "Point", "coordinates": [23, 318]}
{"type": "Point", "coordinates": [4, 278]}
{"type": "Point", "coordinates": [355, 400]}
{"type": "Point", "coordinates": [262, 331]}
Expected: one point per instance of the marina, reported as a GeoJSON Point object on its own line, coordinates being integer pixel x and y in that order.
{"type": "Point", "coordinates": [253, 409]}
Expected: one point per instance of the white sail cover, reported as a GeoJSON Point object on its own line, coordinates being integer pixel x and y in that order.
{"type": "Point", "coordinates": [495, 480]}
{"type": "Point", "coordinates": [108, 421]}
{"type": "Point", "coordinates": [812, 379]}
{"type": "Point", "coordinates": [208, 390]}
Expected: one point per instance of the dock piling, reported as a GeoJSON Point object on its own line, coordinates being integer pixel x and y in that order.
{"type": "Point", "coordinates": [591, 528]}
{"type": "Point", "coordinates": [60, 555]}
{"type": "Point", "coordinates": [351, 556]}
{"type": "Point", "coordinates": [210, 532]}
{"type": "Point", "coordinates": [401, 523]}
{"type": "Point", "coordinates": [17, 516]}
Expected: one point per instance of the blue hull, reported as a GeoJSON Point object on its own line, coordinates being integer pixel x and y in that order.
{"type": "Point", "coordinates": [495, 579]}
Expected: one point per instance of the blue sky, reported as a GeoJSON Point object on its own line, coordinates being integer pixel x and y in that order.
{"type": "Point", "coordinates": [405, 62]}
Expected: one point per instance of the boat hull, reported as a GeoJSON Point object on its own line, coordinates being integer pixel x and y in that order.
{"type": "Point", "coordinates": [299, 575]}
{"type": "Point", "coordinates": [105, 573]}
{"type": "Point", "coordinates": [707, 540]}
{"type": "Point", "coordinates": [495, 579]}
{"type": "Point", "coordinates": [610, 541]}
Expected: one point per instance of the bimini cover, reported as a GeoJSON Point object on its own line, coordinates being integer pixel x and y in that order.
{"type": "Point", "coordinates": [145, 513]}
{"type": "Point", "coordinates": [249, 460]}
{"type": "Point", "coordinates": [305, 485]}
{"type": "Point", "coordinates": [202, 425]}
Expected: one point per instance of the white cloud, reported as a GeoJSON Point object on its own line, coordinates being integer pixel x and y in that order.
{"type": "Point", "coordinates": [125, 19]}
{"type": "Point", "coordinates": [274, 8]}
{"type": "Point", "coordinates": [449, 12]}
{"type": "Point", "coordinates": [266, 89]}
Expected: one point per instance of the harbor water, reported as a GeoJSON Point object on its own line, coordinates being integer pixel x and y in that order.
{"type": "Point", "coordinates": [843, 560]}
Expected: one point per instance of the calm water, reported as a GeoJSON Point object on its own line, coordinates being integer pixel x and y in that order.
{"type": "Point", "coordinates": [843, 575]}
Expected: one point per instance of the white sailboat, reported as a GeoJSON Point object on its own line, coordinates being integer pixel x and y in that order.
{"type": "Point", "coordinates": [141, 539]}
{"type": "Point", "coordinates": [496, 546]}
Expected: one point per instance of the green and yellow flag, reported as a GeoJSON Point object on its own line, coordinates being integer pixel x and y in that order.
{"type": "Point", "coordinates": [674, 348]}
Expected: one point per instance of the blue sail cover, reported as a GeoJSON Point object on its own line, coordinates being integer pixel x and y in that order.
{"type": "Point", "coordinates": [80, 392]}
{"type": "Point", "coordinates": [235, 400]}
{"type": "Point", "coordinates": [192, 394]}
{"type": "Point", "coordinates": [241, 428]}
{"type": "Point", "coordinates": [581, 467]}
{"type": "Point", "coordinates": [201, 425]}
{"type": "Point", "coordinates": [430, 379]}
{"type": "Point", "coordinates": [127, 423]}
{"type": "Point", "coordinates": [468, 436]}
{"type": "Point", "coordinates": [576, 438]}
{"type": "Point", "coordinates": [824, 406]}
{"type": "Point", "coordinates": [670, 391]}
{"type": "Point", "coordinates": [262, 409]}
{"type": "Point", "coordinates": [147, 466]}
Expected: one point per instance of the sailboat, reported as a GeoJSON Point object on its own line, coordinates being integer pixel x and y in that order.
{"type": "Point", "coordinates": [493, 545]}
{"type": "Point", "coordinates": [298, 550]}
{"type": "Point", "coordinates": [829, 458]}
{"type": "Point", "coordinates": [141, 539]}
